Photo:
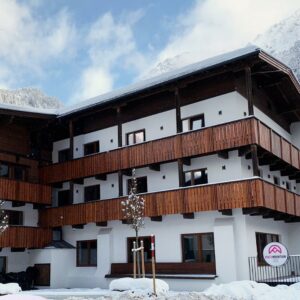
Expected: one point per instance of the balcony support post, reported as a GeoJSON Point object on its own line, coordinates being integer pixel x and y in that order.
{"type": "Point", "coordinates": [71, 133]}
{"type": "Point", "coordinates": [254, 160]}
{"type": "Point", "coordinates": [249, 90]}
{"type": "Point", "coordinates": [178, 112]}
{"type": "Point", "coordinates": [119, 123]}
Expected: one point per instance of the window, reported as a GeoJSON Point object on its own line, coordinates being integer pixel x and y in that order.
{"type": "Point", "coordinates": [193, 123]}
{"type": "Point", "coordinates": [198, 247]}
{"type": "Point", "coordinates": [142, 186]}
{"type": "Point", "coordinates": [195, 177]}
{"type": "Point", "coordinates": [135, 137]}
{"type": "Point", "coordinates": [3, 264]}
{"type": "Point", "coordinates": [87, 253]}
{"type": "Point", "coordinates": [64, 198]}
{"type": "Point", "coordinates": [147, 248]}
{"type": "Point", "coordinates": [57, 234]}
{"type": "Point", "coordinates": [91, 148]}
{"type": "Point", "coordinates": [92, 193]}
{"type": "Point", "coordinates": [4, 170]}
{"type": "Point", "coordinates": [14, 217]}
{"type": "Point", "coordinates": [64, 155]}
{"type": "Point", "coordinates": [262, 240]}
{"type": "Point", "coordinates": [276, 180]}
{"type": "Point", "coordinates": [288, 186]}
{"type": "Point", "coordinates": [19, 173]}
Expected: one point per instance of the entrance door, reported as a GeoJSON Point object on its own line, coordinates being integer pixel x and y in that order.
{"type": "Point", "coordinates": [3, 264]}
{"type": "Point", "coordinates": [43, 278]}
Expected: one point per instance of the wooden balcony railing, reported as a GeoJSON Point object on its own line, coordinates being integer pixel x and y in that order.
{"type": "Point", "coordinates": [22, 191]}
{"type": "Point", "coordinates": [25, 237]}
{"type": "Point", "coordinates": [208, 140]}
{"type": "Point", "coordinates": [239, 194]}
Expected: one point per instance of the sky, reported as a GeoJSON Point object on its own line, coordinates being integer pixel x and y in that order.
{"type": "Point", "coordinates": [78, 49]}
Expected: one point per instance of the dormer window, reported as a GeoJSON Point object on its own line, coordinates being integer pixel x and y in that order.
{"type": "Point", "coordinates": [193, 123]}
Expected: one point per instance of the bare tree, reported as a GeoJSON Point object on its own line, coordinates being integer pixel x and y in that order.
{"type": "Point", "coordinates": [3, 218]}
{"type": "Point", "coordinates": [133, 209]}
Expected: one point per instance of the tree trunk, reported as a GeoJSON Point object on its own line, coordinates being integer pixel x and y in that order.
{"type": "Point", "coordinates": [138, 254]}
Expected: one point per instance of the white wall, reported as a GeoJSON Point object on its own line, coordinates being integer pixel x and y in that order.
{"type": "Point", "coordinates": [152, 126]}
{"type": "Point", "coordinates": [30, 215]}
{"type": "Point", "coordinates": [16, 261]}
{"type": "Point", "coordinates": [233, 106]}
{"type": "Point", "coordinates": [108, 140]}
{"type": "Point", "coordinates": [295, 132]}
{"type": "Point", "coordinates": [58, 146]}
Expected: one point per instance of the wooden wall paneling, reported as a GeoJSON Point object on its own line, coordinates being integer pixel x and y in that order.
{"type": "Point", "coordinates": [286, 151]}
{"type": "Point", "coordinates": [290, 203]}
{"type": "Point", "coordinates": [295, 157]}
{"type": "Point", "coordinates": [264, 137]}
{"type": "Point", "coordinates": [280, 199]}
{"type": "Point", "coordinates": [297, 205]}
{"type": "Point", "coordinates": [276, 144]}
{"type": "Point", "coordinates": [269, 195]}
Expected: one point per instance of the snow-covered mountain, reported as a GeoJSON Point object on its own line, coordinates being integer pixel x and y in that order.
{"type": "Point", "coordinates": [29, 97]}
{"type": "Point", "coordinates": [282, 40]}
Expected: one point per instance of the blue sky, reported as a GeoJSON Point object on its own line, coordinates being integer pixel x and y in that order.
{"type": "Point", "coordinates": [77, 49]}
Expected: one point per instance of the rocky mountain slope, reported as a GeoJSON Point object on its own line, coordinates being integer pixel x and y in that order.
{"type": "Point", "coordinates": [29, 97]}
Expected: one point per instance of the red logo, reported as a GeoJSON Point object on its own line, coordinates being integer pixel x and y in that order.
{"type": "Point", "coordinates": [275, 249]}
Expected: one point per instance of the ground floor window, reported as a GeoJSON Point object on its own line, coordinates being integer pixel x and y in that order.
{"type": "Point", "coordinates": [3, 264]}
{"type": "Point", "coordinates": [147, 248]}
{"type": "Point", "coordinates": [198, 247]}
{"type": "Point", "coordinates": [86, 253]}
{"type": "Point", "coordinates": [262, 240]}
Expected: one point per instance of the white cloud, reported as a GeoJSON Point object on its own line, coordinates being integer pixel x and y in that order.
{"type": "Point", "coordinates": [111, 45]}
{"type": "Point", "coordinates": [28, 42]}
{"type": "Point", "coordinates": [212, 27]}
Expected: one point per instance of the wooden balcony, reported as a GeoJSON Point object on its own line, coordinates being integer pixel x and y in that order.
{"type": "Point", "coordinates": [205, 141]}
{"type": "Point", "coordinates": [25, 237]}
{"type": "Point", "coordinates": [238, 194]}
{"type": "Point", "coordinates": [13, 190]}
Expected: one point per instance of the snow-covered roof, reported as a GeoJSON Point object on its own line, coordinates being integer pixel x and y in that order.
{"type": "Point", "coordinates": [142, 85]}
{"type": "Point", "coordinates": [28, 109]}
{"type": "Point", "coordinates": [157, 80]}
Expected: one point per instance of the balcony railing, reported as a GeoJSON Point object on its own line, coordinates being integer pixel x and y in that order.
{"type": "Point", "coordinates": [21, 191]}
{"type": "Point", "coordinates": [205, 141]}
{"type": "Point", "coordinates": [238, 194]}
{"type": "Point", "coordinates": [25, 237]}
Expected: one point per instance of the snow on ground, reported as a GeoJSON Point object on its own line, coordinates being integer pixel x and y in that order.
{"type": "Point", "coordinates": [9, 288]}
{"type": "Point", "coordinates": [145, 284]}
{"type": "Point", "coordinates": [239, 290]}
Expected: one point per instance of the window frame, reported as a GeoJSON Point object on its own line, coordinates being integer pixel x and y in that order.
{"type": "Point", "coordinates": [137, 179]}
{"type": "Point", "coordinates": [20, 216]}
{"type": "Point", "coordinates": [96, 148]}
{"type": "Point", "coordinates": [134, 136]}
{"type": "Point", "coordinates": [192, 119]}
{"type": "Point", "coordinates": [129, 252]}
{"type": "Point", "coordinates": [193, 176]}
{"type": "Point", "coordinates": [260, 249]}
{"type": "Point", "coordinates": [91, 186]}
{"type": "Point", "coordinates": [68, 156]}
{"type": "Point", "coordinates": [199, 242]}
{"type": "Point", "coordinates": [69, 197]}
{"type": "Point", "coordinates": [89, 253]}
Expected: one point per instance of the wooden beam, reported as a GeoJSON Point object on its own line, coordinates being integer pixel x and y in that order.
{"type": "Point", "coordinates": [154, 167]}
{"type": "Point", "coordinates": [78, 226]}
{"type": "Point", "coordinates": [71, 134]}
{"type": "Point", "coordinates": [278, 166]}
{"type": "Point", "coordinates": [178, 110]}
{"type": "Point", "coordinates": [223, 154]}
{"type": "Point", "coordinates": [249, 90]}
{"type": "Point", "coordinates": [243, 151]}
{"type": "Point", "coordinates": [78, 181]}
{"type": "Point", "coordinates": [226, 212]}
{"type": "Point", "coordinates": [58, 185]}
{"type": "Point", "coordinates": [156, 219]}
{"type": "Point", "coordinates": [119, 124]}
{"type": "Point", "coordinates": [127, 172]}
{"type": "Point", "coordinates": [186, 161]}
{"type": "Point", "coordinates": [17, 204]}
{"type": "Point", "coordinates": [101, 177]}
{"type": "Point", "coordinates": [254, 160]}
{"type": "Point", "coordinates": [180, 172]}
{"type": "Point", "coordinates": [101, 224]}
{"type": "Point", "coordinates": [188, 216]}
{"type": "Point", "coordinates": [120, 183]}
